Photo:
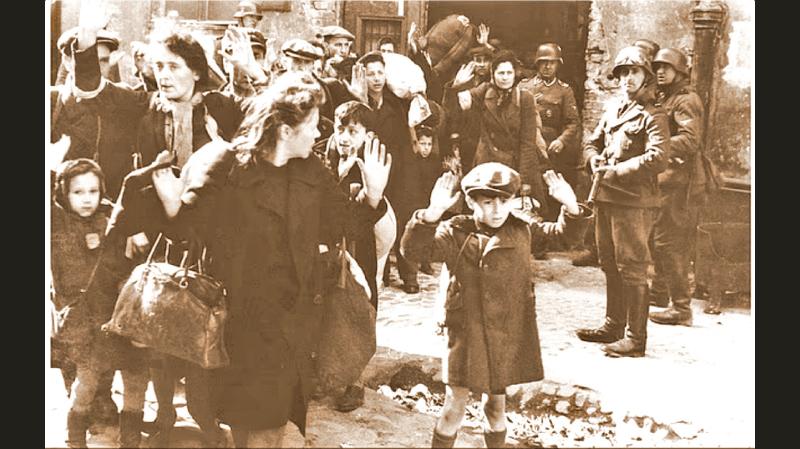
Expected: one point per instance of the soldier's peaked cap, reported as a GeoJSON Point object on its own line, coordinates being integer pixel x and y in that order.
{"type": "Point", "coordinates": [493, 179]}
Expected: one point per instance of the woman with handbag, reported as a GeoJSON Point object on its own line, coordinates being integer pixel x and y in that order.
{"type": "Point", "coordinates": [269, 214]}
{"type": "Point", "coordinates": [182, 116]}
{"type": "Point", "coordinates": [86, 270]}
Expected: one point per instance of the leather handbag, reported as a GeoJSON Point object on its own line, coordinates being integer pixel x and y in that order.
{"type": "Point", "coordinates": [176, 310]}
{"type": "Point", "coordinates": [347, 337]}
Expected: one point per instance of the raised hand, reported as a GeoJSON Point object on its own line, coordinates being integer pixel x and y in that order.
{"type": "Point", "coordinates": [445, 194]}
{"type": "Point", "coordinates": [465, 74]}
{"type": "Point", "coordinates": [412, 37]}
{"type": "Point", "coordinates": [559, 189]}
{"type": "Point", "coordinates": [358, 83]}
{"type": "Point", "coordinates": [375, 170]}
{"type": "Point", "coordinates": [94, 15]}
{"type": "Point", "coordinates": [237, 51]}
{"type": "Point", "coordinates": [483, 34]}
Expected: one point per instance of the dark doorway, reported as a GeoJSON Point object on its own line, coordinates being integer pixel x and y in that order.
{"type": "Point", "coordinates": [522, 25]}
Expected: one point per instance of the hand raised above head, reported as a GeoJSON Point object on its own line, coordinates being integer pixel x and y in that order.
{"type": "Point", "coordinates": [444, 195]}
{"type": "Point", "coordinates": [94, 15]}
{"type": "Point", "coordinates": [375, 169]}
{"type": "Point", "coordinates": [465, 74]}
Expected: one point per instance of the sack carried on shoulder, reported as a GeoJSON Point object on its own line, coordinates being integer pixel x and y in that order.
{"type": "Point", "coordinates": [347, 338]}
{"type": "Point", "coordinates": [174, 310]}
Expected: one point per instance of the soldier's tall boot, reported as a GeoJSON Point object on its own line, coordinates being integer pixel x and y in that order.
{"type": "Point", "coordinates": [77, 425]}
{"type": "Point", "coordinates": [130, 428]}
{"type": "Point", "coordinates": [614, 327]}
{"type": "Point", "coordinates": [633, 345]}
{"type": "Point", "coordinates": [679, 313]}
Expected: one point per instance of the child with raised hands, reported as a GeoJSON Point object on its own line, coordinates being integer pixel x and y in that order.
{"type": "Point", "coordinates": [490, 306]}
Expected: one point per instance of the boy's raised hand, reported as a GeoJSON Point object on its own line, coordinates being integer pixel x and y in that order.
{"type": "Point", "coordinates": [445, 194]}
{"type": "Point", "coordinates": [559, 189]}
{"type": "Point", "coordinates": [358, 82]}
{"type": "Point", "coordinates": [375, 169]}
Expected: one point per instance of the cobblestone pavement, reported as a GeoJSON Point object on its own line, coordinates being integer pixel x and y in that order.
{"type": "Point", "coordinates": [698, 381]}
{"type": "Point", "coordinates": [703, 375]}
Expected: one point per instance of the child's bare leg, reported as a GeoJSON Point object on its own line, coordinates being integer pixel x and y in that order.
{"type": "Point", "coordinates": [494, 406]}
{"type": "Point", "coordinates": [455, 403]}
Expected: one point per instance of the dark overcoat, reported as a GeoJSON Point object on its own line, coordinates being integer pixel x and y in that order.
{"type": "Point", "coordinates": [228, 208]}
{"type": "Point", "coordinates": [493, 340]}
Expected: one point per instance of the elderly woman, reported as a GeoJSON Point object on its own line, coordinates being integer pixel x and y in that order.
{"type": "Point", "coordinates": [268, 214]}
{"type": "Point", "coordinates": [626, 152]}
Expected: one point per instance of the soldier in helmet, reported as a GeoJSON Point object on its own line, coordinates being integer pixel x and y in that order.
{"type": "Point", "coordinates": [247, 14]}
{"type": "Point", "coordinates": [626, 152]}
{"type": "Point", "coordinates": [682, 189]}
{"type": "Point", "coordinates": [559, 113]}
{"type": "Point", "coordinates": [649, 46]}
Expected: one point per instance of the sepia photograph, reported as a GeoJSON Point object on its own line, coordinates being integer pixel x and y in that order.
{"type": "Point", "coordinates": [399, 223]}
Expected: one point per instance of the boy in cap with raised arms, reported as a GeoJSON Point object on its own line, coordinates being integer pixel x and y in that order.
{"type": "Point", "coordinates": [490, 307]}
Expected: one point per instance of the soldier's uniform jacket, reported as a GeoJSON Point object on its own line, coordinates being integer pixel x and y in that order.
{"type": "Point", "coordinates": [636, 137]}
{"type": "Point", "coordinates": [558, 110]}
{"type": "Point", "coordinates": [685, 111]}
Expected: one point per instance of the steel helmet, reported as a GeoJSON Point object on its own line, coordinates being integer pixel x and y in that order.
{"type": "Point", "coordinates": [650, 47]}
{"type": "Point", "coordinates": [673, 57]}
{"type": "Point", "coordinates": [247, 8]}
{"type": "Point", "coordinates": [549, 52]}
{"type": "Point", "coordinates": [632, 56]}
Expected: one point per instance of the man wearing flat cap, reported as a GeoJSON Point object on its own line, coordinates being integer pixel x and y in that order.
{"type": "Point", "coordinates": [340, 62]}
{"type": "Point", "coordinates": [299, 55]}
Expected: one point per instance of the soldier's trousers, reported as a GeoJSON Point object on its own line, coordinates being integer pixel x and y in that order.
{"type": "Point", "coordinates": [622, 234]}
{"type": "Point", "coordinates": [673, 243]}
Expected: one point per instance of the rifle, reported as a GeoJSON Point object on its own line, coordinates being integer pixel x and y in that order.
{"type": "Point", "coordinates": [596, 178]}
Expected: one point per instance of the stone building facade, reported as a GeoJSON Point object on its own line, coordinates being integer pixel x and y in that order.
{"type": "Point", "coordinates": [590, 32]}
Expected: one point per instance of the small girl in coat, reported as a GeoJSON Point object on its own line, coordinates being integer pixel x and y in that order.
{"type": "Point", "coordinates": [490, 309]}
{"type": "Point", "coordinates": [87, 269]}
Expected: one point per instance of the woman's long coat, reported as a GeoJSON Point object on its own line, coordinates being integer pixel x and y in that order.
{"type": "Point", "coordinates": [493, 340]}
{"type": "Point", "coordinates": [509, 131]}
{"type": "Point", "coordinates": [225, 209]}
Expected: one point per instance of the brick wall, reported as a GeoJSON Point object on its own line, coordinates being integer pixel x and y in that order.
{"type": "Point", "coordinates": [615, 24]}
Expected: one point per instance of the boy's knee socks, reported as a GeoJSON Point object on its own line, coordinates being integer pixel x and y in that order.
{"type": "Point", "coordinates": [440, 440]}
